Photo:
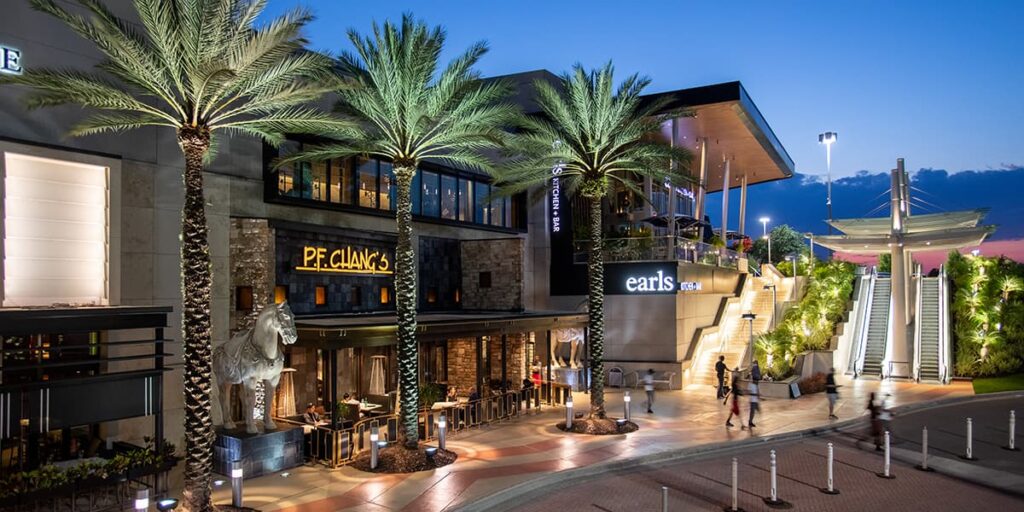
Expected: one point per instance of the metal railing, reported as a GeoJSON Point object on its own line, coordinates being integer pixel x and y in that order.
{"type": "Point", "coordinates": [335, 448]}
{"type": "Point", "coordinates": [660, 248]}
{"type": "Point", "coordinates": [945, 346]}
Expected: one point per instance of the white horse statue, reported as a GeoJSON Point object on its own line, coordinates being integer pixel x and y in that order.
{"type": "Point", "coordinates": [252, 356]}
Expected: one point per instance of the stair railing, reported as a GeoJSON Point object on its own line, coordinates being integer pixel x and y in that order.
{"type": "Point", "coordinates": [945, 347]}
{"type": "Point", "coordinates": [858, 366]}
{"type": "Point", "coordinates": [918, 307]}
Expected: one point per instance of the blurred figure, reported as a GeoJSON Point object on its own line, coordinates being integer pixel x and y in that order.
{"type": "Point", "coordinates": [720, 369]}
{"type": "Point", "coordinates": [649, 388]}
{"type": "Point", "coordinates": [832, 392]}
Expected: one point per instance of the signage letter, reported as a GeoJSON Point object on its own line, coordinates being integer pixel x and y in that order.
{"type": "Point", "coordinates": [631, 284]}
{"type": "Point", "coordinates": [11, 63]}
{"type": "Point", "coordinates": [308, 253]}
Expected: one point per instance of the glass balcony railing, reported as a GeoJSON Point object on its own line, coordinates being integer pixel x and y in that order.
{"type": "Point", "coordinates": [660, 248]}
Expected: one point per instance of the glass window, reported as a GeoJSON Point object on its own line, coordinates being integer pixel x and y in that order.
{"type": "Point", "coordinates": [508, 212]}
{"type": "Point", "coordinates": [431, 201]}
{"type": "Point", "coordinates": [321, 296]}
{"type": "Point", "coordinates": [449, 196]}
{"type": "Point", "coordinates": [481, 210]}
{"type": "Point", "coordinates": [304, 175]}
{"type": "Point", "coordinates": [367, 175]}
{"type": "Point", "coordinates": [387, 187]}
{"type": "Point", "coordinates": [341, 180]}
{"type": "Point", "coordinates": [497, 209]}
{"type": "Point", "coordinates": [385, 295]}
{"type": "Point", "coordinates": [319, 181]}
{"type": "Point", "coordinates": [286, 182]}
{"type": "Point", "coordinates": [415, 192]}
{"type": "Point", "coordinates": [466, 200]}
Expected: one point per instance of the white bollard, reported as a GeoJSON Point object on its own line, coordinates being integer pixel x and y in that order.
{"type": "Point", "coordinates": [236, 484]}
{"type": "Point", "coordinates": [888, 461]}
{"type": "Point", "coordinates": [830, 489]}
{"type": "Point", "coordinates": [442, 427]}
{"type": "Point", "coordinates": [774, 474]}
{"type": "Point", "coordinates": [374, 447]}
{"type": "Point", "coordinates": [924, 449]}
{"type": "Point", "coordinates": [626, 399]}
{"type": "Point", "coordinates": [735, 485]}
{"type": "Point", "coordinates": [664, 499]}
{"type": "Point", "coordinates": [970, 442]}
{"type": "Point", "coordinates": [1013, 431]}
{"type": "Point", "coordinates": [568, 415]}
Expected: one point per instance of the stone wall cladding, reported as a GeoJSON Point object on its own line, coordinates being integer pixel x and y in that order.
{"type": "Point", "coordinates": [462, 364]}
{"type": "Point", "coordinates": [503, 258]}
{"type": "Point", "coordinates": [252, 264]}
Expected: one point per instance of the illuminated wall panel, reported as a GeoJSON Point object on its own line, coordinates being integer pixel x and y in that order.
{"type": "Point", "coordinates": [55, 243]}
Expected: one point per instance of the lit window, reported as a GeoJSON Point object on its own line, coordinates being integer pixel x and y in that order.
{"type": "Point", "coordinates": [280, 294]}
{"type": "Point", "coordinates": [385, 295]}
{"type": "Point", "coordinates": [465, 200]}
{"type": "Point", "coordinates": [431, 295]}
{"type": "Point", "coordinates": [449, 197]}
{"type": "Point", "coordinates": [341, 180]}
{"type": "Point", "coordinates": [458, 295]}
{"type": "Point", "coordinates": [321, 295]}
{"type": "Point", "coordinates": [367, 174]}
{"type": "Point", "coordinates": [481, 208]}
{"type": "Point", "coordinates": [243, 298]}
{"type": "Point", "coordinates": [388, 191]}
{"type": "Point", "coordinates": [431, 200]}
{"type": "Point", "coordinates": [319, 181]}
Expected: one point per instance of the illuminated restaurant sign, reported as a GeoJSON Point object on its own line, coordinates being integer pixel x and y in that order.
{"type": "Point", "coordinates": [345, 260]}
{"type": "Point", "coordinates": [10, 60]}
{"type": "Point", "coordinates": [556, 198]}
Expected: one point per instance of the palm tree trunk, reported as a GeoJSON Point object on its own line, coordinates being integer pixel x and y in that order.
{"type": "Point", "coordinates": [595, 308]}
{"type": "Point", "coordinates": [405, 304]}
{"type": "Point", "coordinates": [196, 278]}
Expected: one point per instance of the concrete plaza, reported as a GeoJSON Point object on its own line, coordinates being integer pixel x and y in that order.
{"type": "Point", "coordinates": [499, 456]}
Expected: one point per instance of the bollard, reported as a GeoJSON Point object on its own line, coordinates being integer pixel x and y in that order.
{"type": "Point", "coordinates": [773, 500]}
{"type": "Point", "coordinates": [831, 487]}
{"type": "Point", "coordinates": [969, 454]}
{"type": "Point", "coordinates": [1013, 428]}
{"type": "Point", "coordinates": [627, 399]}
{"type": "Point", "coordinates": [735, 485]}
{"type": "Point", "coordinates": [442, 427]}
{"type": "Point", "coordinates": [664, 499]}
{"type": "Point", "coordinates": [374, 447]}
{"type": "Point", "coordinates": [236, 484]}
{"type": "Point", "coordinates": [142, 499]}
{"type": "Point", "coordinates": [568, 415]}
{"type": "Point", "coordinates": [923, 466]}
{"type": "Point", "coordinates": [886, 468]}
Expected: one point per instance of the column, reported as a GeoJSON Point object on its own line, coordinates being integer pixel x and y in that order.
{"type": "Point", "coordinates": [898, 350]}
{"type": "Point", "coordinates": [701, 187]}
{"type": "Point", "coordinates": [332, 368]}
{"type": "Point", "coordinates": [671, 193]}
{"type": "Point", "coordinates": [504, 362]}
{"type": "Point", "coordinates": [725, 198]}
{"type": "Point", "coordinates": [743, 204]}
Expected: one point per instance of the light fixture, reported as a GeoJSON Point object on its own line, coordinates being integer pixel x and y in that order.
{"type": "Point", "coordinates": [142, 499]}
{"type": "Point", "coordinates": [166, 504]}
{"type": "Point", "coordinates": [286, 474]}
{"type": "Point", "coordinates": [218, 483]}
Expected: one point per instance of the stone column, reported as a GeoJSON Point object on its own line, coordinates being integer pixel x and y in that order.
{"type": "Point", "coordinates": [898, 349]}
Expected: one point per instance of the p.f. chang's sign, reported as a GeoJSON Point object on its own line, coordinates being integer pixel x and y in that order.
{"type": "Point", "coordinates": [345, 260]}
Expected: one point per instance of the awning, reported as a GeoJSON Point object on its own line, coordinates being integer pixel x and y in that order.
{"type": "Point", "coordinates": [940, 240]}
{"type": "Point", "coordinates": [915, 223]}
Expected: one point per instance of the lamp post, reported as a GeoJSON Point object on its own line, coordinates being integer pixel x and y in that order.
{"type": "Point", "coordinates": [810, 264]}
{"type": "Point", "coordinates": [771, 286]}
{"type": "Point", "coordinates": [751, 317]}
{"type": "Point", "coordinates": [828, 138]}
{"type": "Point", "coordinates": [764, 234]}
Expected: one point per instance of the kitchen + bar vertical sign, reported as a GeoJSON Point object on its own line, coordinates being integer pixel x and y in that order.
{"type": "Point", "coordinates": [10, 60]}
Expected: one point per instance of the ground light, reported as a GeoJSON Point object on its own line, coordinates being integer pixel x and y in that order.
{"type": "Point", "coordinates": [166, 504]}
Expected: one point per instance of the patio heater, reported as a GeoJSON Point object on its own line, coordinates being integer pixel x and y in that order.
{"type": "Point", "coordinates": [377, 375]}
{"type": "Point", "coordinates": [750, 317]}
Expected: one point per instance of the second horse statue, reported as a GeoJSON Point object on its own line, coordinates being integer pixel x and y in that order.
{"type": "Point", "coordinates": [250, 357]}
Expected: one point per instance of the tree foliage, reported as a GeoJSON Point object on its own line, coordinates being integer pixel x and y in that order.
{"type": "Point", "coordinates": [786, 241]}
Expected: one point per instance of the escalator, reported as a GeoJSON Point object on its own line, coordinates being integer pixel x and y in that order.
{"type": "Point", "coordinates": [877, 334]}
{"type": "Point", "coordinates": [928, 342]}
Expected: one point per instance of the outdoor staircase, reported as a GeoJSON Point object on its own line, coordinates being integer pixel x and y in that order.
{"type": "Point", "coordinates": [929, 318]}
{"type": "Point", "coordinates": [878, 327]}
{"type": "Point", "coordinates": [735, 330]}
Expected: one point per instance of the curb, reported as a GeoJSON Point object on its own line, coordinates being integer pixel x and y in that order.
{"type": "Point", "coordinates": [511, 496]}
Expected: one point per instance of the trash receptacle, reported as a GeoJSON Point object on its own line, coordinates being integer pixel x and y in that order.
{"type": "Point", "coordinates": [615, 377]}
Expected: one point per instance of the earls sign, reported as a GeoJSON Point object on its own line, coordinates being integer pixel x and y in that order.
{"type": "Point", "coordinates": [345, 260]}
{"type": "Point", "coordinates": [10, 60]}
{"type": "Point", "coordinates": [646, 278]}
{"type": "Point", "coordinates": [659, 283]}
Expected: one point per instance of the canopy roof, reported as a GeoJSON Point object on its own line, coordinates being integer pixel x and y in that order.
{"type": "Point", "coordinates": [937, 240]}
{"type": "Point", "coordinates": [914, 224]}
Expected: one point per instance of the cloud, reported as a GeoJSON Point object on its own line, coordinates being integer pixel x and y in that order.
{"type": "Point", "coordinates": [800, 201]}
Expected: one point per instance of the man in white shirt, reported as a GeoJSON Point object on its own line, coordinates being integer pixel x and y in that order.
{"type": "Point", "coordinates": [649, 388]}
{"type": "Point", "coordinates": [753, 389]}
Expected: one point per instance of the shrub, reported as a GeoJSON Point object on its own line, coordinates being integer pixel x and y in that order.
{"type": "Point", "coordinates": [813, 384]}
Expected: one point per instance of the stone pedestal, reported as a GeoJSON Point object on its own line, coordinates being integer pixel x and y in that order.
{"type": "Point", "coordinates": [261, 454]}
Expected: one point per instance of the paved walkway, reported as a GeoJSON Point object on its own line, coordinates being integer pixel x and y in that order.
{"type": "Point", "coordinates": [495, 457]}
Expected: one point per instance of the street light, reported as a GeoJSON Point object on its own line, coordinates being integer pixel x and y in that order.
{"type": "Point", "coordinates": [810, 264]}
{"type": "Point", "coordinates": [828, 138]}
{"type": "Point", "coordinates": [764, 230]}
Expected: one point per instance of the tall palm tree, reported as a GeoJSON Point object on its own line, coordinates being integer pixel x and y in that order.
{"type": "Point", "coordinates": [408, 110]}
{"type": "Point", "coordinates": [198, 67]}
{"type": "Point", "coordinates": [596, 135]}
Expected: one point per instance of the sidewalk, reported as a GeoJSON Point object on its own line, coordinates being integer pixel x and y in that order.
{"type": "Point", "coordinates": [498, 456]}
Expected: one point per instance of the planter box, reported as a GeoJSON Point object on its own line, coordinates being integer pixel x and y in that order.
{"type": "Point", "coordinates": [775, 389]}
{"type": "Point", "coordinates": [813, 361]}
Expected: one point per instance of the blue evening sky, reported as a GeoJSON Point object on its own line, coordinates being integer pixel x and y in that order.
{"type": "Point", "coordinates": [936, 82]}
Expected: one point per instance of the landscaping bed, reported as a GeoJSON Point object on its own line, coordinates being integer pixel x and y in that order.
{"type": "Point", "coordinates": [599, 426]}
{"type": "Point", "coordinates": [398, 459]}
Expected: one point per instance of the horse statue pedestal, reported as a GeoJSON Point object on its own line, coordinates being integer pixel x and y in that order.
{"type": "Point", "coordinates": [261, 454]}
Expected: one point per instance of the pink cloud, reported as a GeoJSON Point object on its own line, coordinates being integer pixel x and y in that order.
{"type": "Point", "coordinates": [1013, 249]}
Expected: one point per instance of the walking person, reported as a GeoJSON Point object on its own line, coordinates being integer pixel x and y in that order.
{"type": "Point", "coordinates": [754, 390]}
{"type": "Point", "coordinates": [735, 409]}
{"type": "Point", "coordinates": [876, 423]}
{"type": "Point", "coordinates": [649, 388]}
{"type": "Point", "coordinates": [832, 392]}
{"type": "Point", "coordinates": [720, 369]}
{"type": "Point", "coordinates": [755, 372]}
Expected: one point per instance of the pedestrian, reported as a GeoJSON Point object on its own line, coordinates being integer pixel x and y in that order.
{"type": "Point", "coordinates": [755, 372]}
{"type": "Point", "coordinates": [735, 409]}
{"type": "Point", "coordinates": [649, 388]}
{"type": "Point", "coordinates": [753, 389]}
{"type": "Point", "coordinates": [832, 392]}
{"type": "Point", "coordinates": [720, 369]}
{"type": "Point", "coordinates": [876, 423]}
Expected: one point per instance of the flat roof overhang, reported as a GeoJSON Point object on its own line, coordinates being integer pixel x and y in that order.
{"type": "Point", "coordinates": [941, 240]}
{"type": "Point", "coordinates": [914, 223]}
{"type": "Point", "coordinates": [344, 331]}
{"type": "Point", "coordinates": [725, 115]}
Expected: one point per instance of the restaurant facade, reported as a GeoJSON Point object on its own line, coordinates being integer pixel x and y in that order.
{"type": "Point", "coordinates": [93, 223]}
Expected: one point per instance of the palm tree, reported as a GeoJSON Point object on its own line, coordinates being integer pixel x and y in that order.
{"type": "Point", "coordinates": [595, 135]}
{"type": "Point", "coordinates": [408, 112]}
{"type": "Point", "coordinates": [198, 67]}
